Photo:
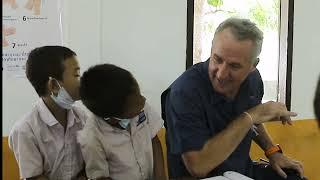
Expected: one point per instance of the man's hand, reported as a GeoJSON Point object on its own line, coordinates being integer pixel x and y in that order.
{"type": "Point", "coordinates": [279, 161]}
{"type": "Point", "coordinates": [271, 111]}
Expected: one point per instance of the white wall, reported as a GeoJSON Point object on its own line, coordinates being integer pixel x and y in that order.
{"type": "Point", "coordinates": [148, 37]}
{"type": "Point", "coordinates": [81, 33]}
{"type": "Point", "coordinates": [306, 62]}
{"type": "Point", "coordinates": [82, 29]}
{"type": "Point", "coordinates": [18, 97]}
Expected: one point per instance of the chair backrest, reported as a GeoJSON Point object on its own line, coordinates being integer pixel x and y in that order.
{"type": "Point", "coordinates": [162, 137]}
{"type": "Point", "coordinates": [163, 105]}
{"type": "Point", "coordinates": [162, 133]}
{"type": "Point", "coordinates": [10, 169]}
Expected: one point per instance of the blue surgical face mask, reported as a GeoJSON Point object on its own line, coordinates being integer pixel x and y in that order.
{"type": "Point", "coordinates": [124, 123]}
{"type": "Point", "coordinates": [63, 99]}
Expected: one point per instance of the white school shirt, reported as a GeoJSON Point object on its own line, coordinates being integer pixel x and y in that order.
{"type": "Point", "coordinates": [41, 146]}
{"type": "Point", "coordinates": [117, 153]}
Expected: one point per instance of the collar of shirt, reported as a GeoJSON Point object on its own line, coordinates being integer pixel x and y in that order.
{"type": "Point", "coordinates": [106, 127]}
{"type": "Point", "coordinates": [47, 117]}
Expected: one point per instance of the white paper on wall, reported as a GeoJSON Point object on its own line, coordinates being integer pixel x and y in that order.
{"type": "Point", "coordinates": [27, 24]}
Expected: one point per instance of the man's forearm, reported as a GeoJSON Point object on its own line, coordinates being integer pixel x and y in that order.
{"type": "Point", "coordinates": [263, 139]}
{"type": "Point", "coordinates": [218, 148]}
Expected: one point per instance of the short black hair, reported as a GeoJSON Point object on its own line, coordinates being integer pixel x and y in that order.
{"type": "Point", "coordinates": [44, 62]}
{"type": "Point", "coordinates": [316, 102]}
{"type": "Point", "coordinates": [105, 88]}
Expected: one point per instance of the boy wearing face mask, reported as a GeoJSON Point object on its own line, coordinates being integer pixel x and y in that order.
{"type": "Point", "coordinates": [44, 141]}
{"type": "Point", "coordinates": [120, 140]}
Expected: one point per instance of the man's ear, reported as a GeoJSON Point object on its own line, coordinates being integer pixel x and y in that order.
{"type": "Point", "coordinates": [52, 86]}
{"type": "Point", "coordinates": [254, 65]}
{"type": "Point", "coordinates": [256, 62]}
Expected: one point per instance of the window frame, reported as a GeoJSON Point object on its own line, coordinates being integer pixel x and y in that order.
{"type": "Point", "coordinates": [285, 47]}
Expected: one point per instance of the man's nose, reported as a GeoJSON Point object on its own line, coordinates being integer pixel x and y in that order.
{"type": "Point", "coordinates": [222, 72]}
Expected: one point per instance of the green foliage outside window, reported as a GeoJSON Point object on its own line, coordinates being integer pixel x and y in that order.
{"type": "Point", "coordinates": [264, 17]}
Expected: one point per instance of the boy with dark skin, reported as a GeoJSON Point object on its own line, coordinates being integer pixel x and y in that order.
{"type": "Point", "coordinates": [120, 139]}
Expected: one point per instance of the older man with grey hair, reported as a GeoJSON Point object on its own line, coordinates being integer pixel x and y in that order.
{"type": "Point", "coordinates": [213, 112]}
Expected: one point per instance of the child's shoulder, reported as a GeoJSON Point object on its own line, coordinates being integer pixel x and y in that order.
{"type": "Point", "coordinates": [26, 122]}
{"type": "Point", "coordinates": [151, 113]}
{"type": "Point", "coordinates": [90, 130]}
{"type": "Point", "coordinates": [89, 134]}
{"type": "Point", "coordinates": [148, 109]}
{"type": "Point", "coordinates": [81, 112]}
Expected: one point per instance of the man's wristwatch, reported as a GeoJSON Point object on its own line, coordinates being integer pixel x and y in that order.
{"type": "Point", "coordinates": [272, 150]}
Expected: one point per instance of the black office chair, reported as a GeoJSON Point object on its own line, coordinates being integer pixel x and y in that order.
{"type": "Point", "coordinates": [164, 95]}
